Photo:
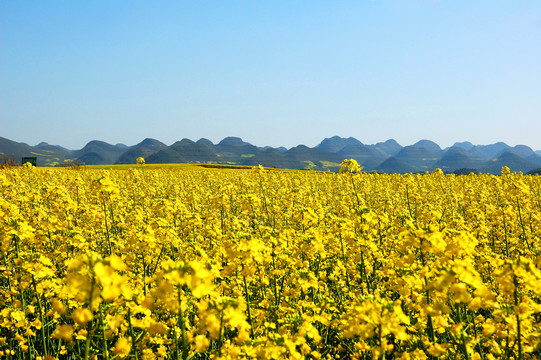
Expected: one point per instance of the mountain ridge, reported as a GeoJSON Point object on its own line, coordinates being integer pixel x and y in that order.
{"type": "Point", "coordinates": [388, 156]}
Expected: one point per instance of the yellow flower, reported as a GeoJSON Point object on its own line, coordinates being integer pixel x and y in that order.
{"type": "Point", "coordinates": [117, 263]}
{"type": "Point", "coordinates": [140, 160]}
{"type": "Point", "coordinates": [36, 323]}
{"type": "Point", "coordinates": [122, 347]}
{"type": "Point", "coordinates": [58, 306]}
{"type": "Point", "coordinates": [460, 292]}
{"type": "Point", "coordinates": [148, 354]}
{"type": "Point", "coordinates": [350, 165]}
{"type": "Point", "coordinates": [81, 334]}
{"type": "Point", "coordinates": [162, 351]}
{"type": "Point", "coordinates": [201, 343]}
{"type": "Point", "coordinates": [82, 316]}
{"type": "Point", "coordinates": [489, 328]}
{"type": "Point", "coordinates": [156, 328]}
{"type": "Point", "coordinates": [437, 349]}
{"type": "Point", "coordinates": [63, 332]}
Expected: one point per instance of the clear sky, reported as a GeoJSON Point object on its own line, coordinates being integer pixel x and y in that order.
{"type": "Point", "coordinates": [278, 73]}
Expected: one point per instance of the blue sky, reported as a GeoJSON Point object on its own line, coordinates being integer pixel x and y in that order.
{"type": "Point", "coordinates": [277, 73]}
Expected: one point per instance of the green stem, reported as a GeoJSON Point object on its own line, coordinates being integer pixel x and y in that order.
{"type": "Point", "coordinates": [408, 201]}
{"type": "Point", "coordinates": [132, 335]}
{"type": "Point", "coordinates": [429, 324]}
{"type": "Point", "coordinates": [248, 308]}
{"type": "Point", "coordinates": [519, 340]}
{"type": "Point", "coordinates": [344, 261]}
{"type": "Point", "coordinates": [465, 348]}
{"type": "Point", "coordinates": [505, 237]}
{"type": "Point", "coordinates": [87, 341]}
{"type": "Point", "coordinates": [40, 310]}
{"type": "Point", "coordinates": [144, 276]}
{"type": "Point", "coordinates": [522, 225]}
{"type": "Point", "coordinates": [107, 228]}
{"type": "Point", "coordinates": [382, 357]}
{"type": "Point", "coordinates": [221, 338]}
{"type": "Point", "coordinates": [104, 339]}
{"type": "Point", "coordinates": [182, 326]}
{"type": "Point", "coordinates": [355, 191]}
{"type": "Point", "coordinates": [264, 197]}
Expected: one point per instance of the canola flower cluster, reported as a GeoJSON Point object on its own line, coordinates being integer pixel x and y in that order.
{"type": "Point", "coordinates": [235, 264]}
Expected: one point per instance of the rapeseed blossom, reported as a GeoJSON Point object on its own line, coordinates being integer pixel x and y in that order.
{"type": "Point", "coordinates": [232, 264]}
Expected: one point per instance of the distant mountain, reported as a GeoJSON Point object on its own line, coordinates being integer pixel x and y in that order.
{"type": "Point", "coordinates": [337, 143]}
{"type": "Point", "coordinates": [14, 149]}
{"type": "Point", "coordinates": [144, 149]}
{"type": "Point", "coordinates": [389, 147]}
{"type": "Point", "coordinates": [476, 153]}
{"type": "Point", "coordinates": [366, 156]}
{"type": "Point", "coordinates": [195, 151]}
{"type": "Point", "coordinates": [420, 157]}
{"type": "Point", "coordinates": [234, 150]}
{"type": "Point", "coordinates": [429, 146]}
{"type": "Point", "coordinates": [280, 149]}
{"type": "Point", "coordinates": [165, 156]}
{"type": "Point", "coordinates": [47, 147]}
{"type": "Point", "coordinates": [389, 156]}
{"type": "Point", "coordinates": [494, 150]}
{"type": "Point", "coordinates": [521, 150]}
{"type": "Point", "coordinates": [304, 153]}
{"type": "Point", "coordinates": [269, 157]}
{"type": "Point", "coordinates": [534, 158]}
{"type": "Point", "coordinates": [456, 158]}
{"type": "Point", "coordinates": [466, 145]}
{"type": "Point", "coordinates": [233, 142]}
{"type": "Point", "coordinates": [394, 165]}
{"type": "Point", "coordinates": [513, 161]}
{"type": "Point", "coordinates": [204, 141]}
{"type": "Point", "coordinates": [47, 155]}
{"type": "Point", "coordinates": [98, 153]}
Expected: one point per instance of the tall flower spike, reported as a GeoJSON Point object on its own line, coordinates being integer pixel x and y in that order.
{"type": "Point", "coordinates": [350, 165]}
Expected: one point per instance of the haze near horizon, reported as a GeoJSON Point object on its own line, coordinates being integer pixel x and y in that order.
{"type": "Point", "coordinates": [273, 73]}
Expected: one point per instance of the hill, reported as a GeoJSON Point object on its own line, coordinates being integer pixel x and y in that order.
{"type": "Point", "coordinates": [47, 155]}
{"type": "Point", "coordinates": [144, 149]}
{"type": "Point", "coordinates": [199, 151]}
{"type": "Point", "coordinates": [394, 165]}
{"type": "Point", "coordinates": [493, 150]}
{"type": "Point", "coordinates": [389, 147]}
{"type": "Point", "coordinates": [388, 156]}
{"type": "Point", "coordinates": [456, 158]}
{"type": "Point", "coordinates": [99, 153]}
{"type": "Point", "coordinates": [368, 157]}
{"type": "Point", "coordinates": [336, 143]}
{"type": "Point", "coordinates": [418, 157]}
{"type": "Point", "coordinates": [513, 161]}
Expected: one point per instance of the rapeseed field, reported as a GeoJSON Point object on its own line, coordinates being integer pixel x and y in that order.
{"type": "Point", "coordinates": [201, 263]}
